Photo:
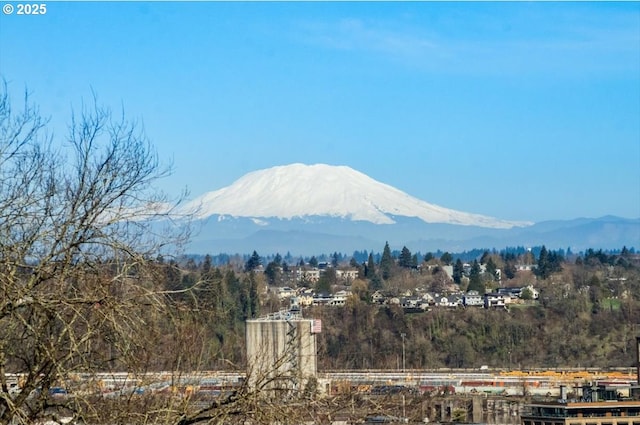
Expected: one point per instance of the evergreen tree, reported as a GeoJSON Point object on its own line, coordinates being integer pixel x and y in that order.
{"type": "Point", "coordinates": [458, 271]}
{"type": "Point", "coordinates": [253, 263]}
{"type": "Point", "coordinates": [475, 278]}
{"type": "Point", "coordinates": [510, 270]}
{"type": "Point", "coordinates": [327, 279]}
{"type": "Point", "coordinates": [595, 258]}
{"type": "Point", "coordinates": [216, 291]}
{"type": "Point", "coordinates": [485, 257]}
{"type": "Point", "coordinates": [206, 265]}
{"type": "Point", "coordinates": [370, 268]}
{"type": "Point", "coordinates": [205, 291]}
{"type": "Point", "coordinates": [254, 301]}
{"type": "Point", "coordinates": [405, 258]}
{"type": "Point", "coordinates": [361, 256]}
{"type": "Point", "coordinates": [313, 262]}
{"type": "Point", "coordinates": [544, 266]}
{"type": "Point", "coordinates": [548, 262]}
{"type": "Point", "coordinates": [335, 259]}
{"type": "Point", "coordinates": [272, 272]}
{"type": "Point", "coordinates": [526, 294]}
{"type": "Point", "coordinates": [375, 283]}
{"type": "Point", "coordinates": [244, 302]}
{"type": "Point", "coordinates": [446, 259]}
{"type": "Point", "coordinates": [492, 270]}
{"type": "Point", "coordinates": [386, 262]}
{"type": "Point", "coordinates": [555, 262]}
{"type": "Point", "coordinates": [231, 301]}
{"type": "Point", "coordinates": [508, 256]}
{"type": "Point", "coordinates": [428, 257]}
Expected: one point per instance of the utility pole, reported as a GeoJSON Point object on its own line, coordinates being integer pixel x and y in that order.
{"type": "Point", "coordinates": [403, 357]}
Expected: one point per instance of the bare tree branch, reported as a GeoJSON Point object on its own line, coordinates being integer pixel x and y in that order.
{"type": "Point", "coordinates": [78, 226]}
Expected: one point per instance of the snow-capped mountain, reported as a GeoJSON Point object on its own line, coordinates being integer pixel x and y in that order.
{"type": "Point", "coordinates": [297, 191]}
{"type": "Point", "coordinates": [314, 209]}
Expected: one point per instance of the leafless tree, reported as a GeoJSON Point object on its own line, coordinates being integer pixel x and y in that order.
{"type": "Point", "coordinates": [79, 223]}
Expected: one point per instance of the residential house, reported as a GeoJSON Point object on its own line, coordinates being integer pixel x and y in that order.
{"type": "Point", "coordinates": [516, 293]}
{"type": "Point", "coordinates": [473, 299]}
{"type": "Point", "coordinates": [305, 297]}
{"type": "Point", "coordinates": [347, 275]}
{"type": "Point", "coordinates": [340, 298]}
{"type": "Point", "coordinates": [311, 276]}
{"type": "Point", "coordinates": [512, 292]}
{"type": "Point", "coordinates": [428, 298]}
{"type": "Point", "coordinates": [441, 300]}
{"type": "Point", "coordinates": [378, 297]}
{"type": "Point", "coordinates": [511, 295]}
{"type": "Point", "coordinates": [455, 300]}
{"type": "Point", "coordinates": [494, 300]}
{"type": "Point", "coordinates": [285, 292]}
{"type": "Point", "coordinates": [414, 304]}
{"type": "Point", "coordinates": [322, 299]}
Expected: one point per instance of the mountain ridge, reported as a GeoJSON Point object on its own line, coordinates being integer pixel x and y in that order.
{"type": "Point", "coordinates": [302, 237]}
{"type": "Point", "coordinates": [310, 209]}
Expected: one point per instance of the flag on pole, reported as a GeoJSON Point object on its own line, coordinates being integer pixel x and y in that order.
{"type": "Point", "coordinates": [316, 326]}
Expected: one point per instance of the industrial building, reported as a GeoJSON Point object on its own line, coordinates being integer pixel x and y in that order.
{"type": "Point", "coordinates": [281, 351]}
{"type": "Point", "coordinates": [599, 404]}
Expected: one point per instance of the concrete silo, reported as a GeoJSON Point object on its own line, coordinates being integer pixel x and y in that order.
{"type": "Point", "coordinates": [281, 348]}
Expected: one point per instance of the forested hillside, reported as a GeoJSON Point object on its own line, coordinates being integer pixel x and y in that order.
{"type": "Point", "coordinates": [363, 336]}
{"type": "Point", "coordinates": [587, 314]}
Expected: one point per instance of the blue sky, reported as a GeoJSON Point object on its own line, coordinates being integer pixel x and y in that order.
{"type": "Point", "coordinates": [523, 111]}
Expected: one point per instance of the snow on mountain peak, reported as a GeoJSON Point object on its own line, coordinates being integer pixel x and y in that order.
{"type": "Point", "coordinates": [299, 190]}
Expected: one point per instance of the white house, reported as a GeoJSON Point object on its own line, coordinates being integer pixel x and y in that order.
{"type": "Point", "coordinates": [347, 275]}
{"type": "Point", "coordinates": [312, 275]}
{"type": "Point", "coordinates": [473, 299]}
{"type": "Point", "coordinates": [340, 298]}
{"type": "Point", "coordinates": [285, 292]}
